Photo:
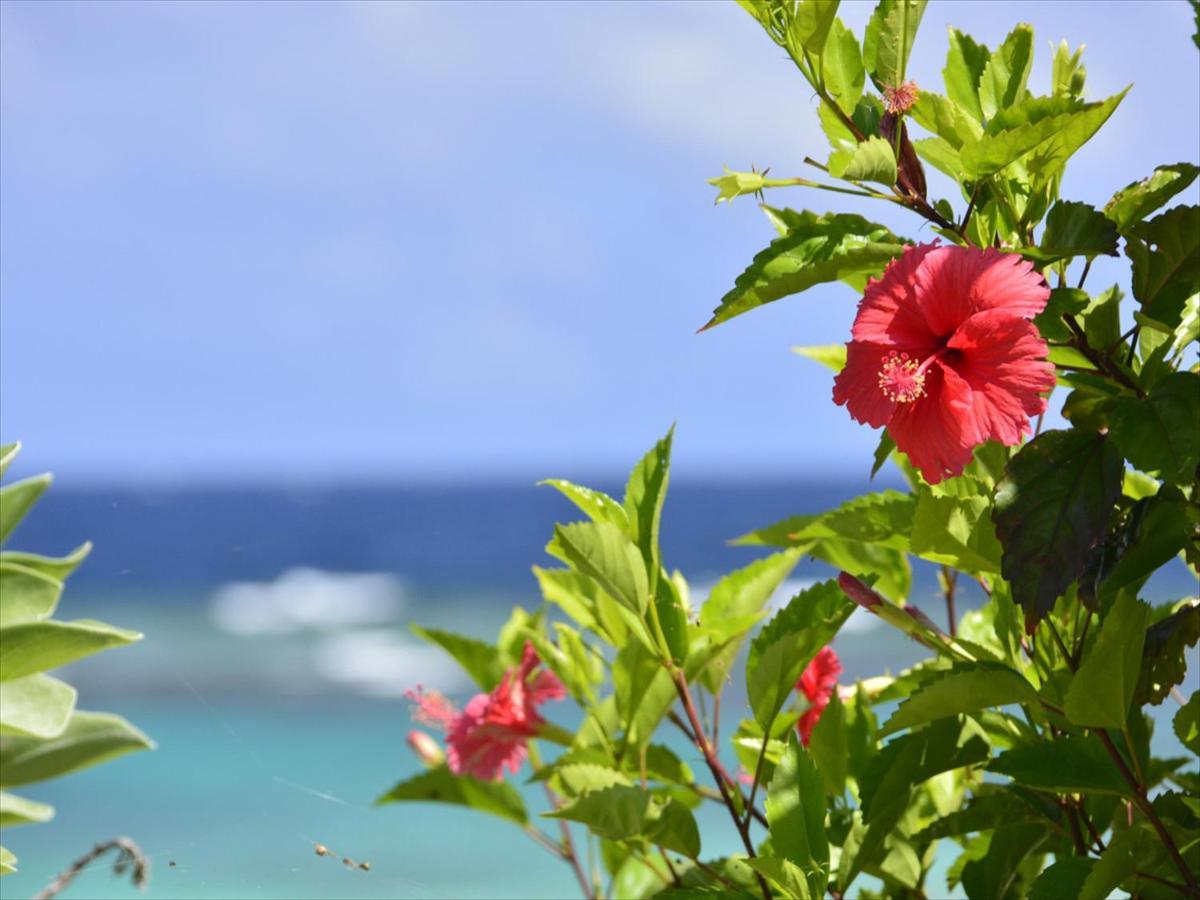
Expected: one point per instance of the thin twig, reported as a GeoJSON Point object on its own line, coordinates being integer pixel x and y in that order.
{"type": "Point", "coordinates": [131, 857]}
{"type": "Point", "coordinates": [949, 583]}
{"type": "Point", "coordinates": [567, 850]}
{"type": "Point", "coordinates": [1087, 267]}
{"type": "Point", "coordinates": [1099, 360]}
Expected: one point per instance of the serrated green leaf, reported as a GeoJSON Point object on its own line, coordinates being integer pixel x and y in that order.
{"type": "Point", "coordinates": [1126, 853]}
{"type": "Point", "coordinates": [1052, 506]}
{"type": "Point", "coordinates": [26, 595]}
{"type": "Point", "coordinates": [1159, 434]}
{"type": "Point", "coordinates": [963, 689]}
{"type": "Point", "coordinates": [842, 67]}
{"type": "Point", "coordinates": [965, 63]}
{"type": "Point", "coordinates": [36, 646]}
{"type": "Point", "coordinates": [1136, 201]}
{"type": "Point", "coordinates": [499, 798]}
{"type": "Point", "coordinates": [478, 659]}
{"type": "Point", "coordinates": [17, 499]}
{"type": "Point", "coordinates": [643, 691]}
{"type": "Point", "coordinates": [796, 812]}
{"type": "Point", "coordinates": [781, 650]}
{"type": "Point", "coordinates": [1048, 129]}
{"type": "Point", "coordinates": [832, 356]}
{"type": "Point", "coordinates": [943, 117]}
{"type": "Point", "coordinates": [871, 160]}
{"type": "Point", "coordinates": [1165, 252]}
{"type": "Point", "coordinates": [89, 739]}
{"type": "Point", "coordinates": [941, 155]}
{"type": "Point", "coordinates": [36, 705]}
{"type": "Point", "coordinates": [644, 495]}
{"type": "Point", "coordinates": [598, 506]}
{"type": "Point", "coordinates": [829, 746]}
{"type": "Point", "coordinates": [1006, 73]}
{"type": "Point", "coordinates": [605, 553]}
{"type": "Point", "coordinates": [1164, 663]}
{"type": "Point", "coordinates": [16, 810]}
{"type": "Point", "coordinates": [1064, 878]}
{"type": "Point", "coordinates": [1159, 534]}
{"type": "Point", "coordinates": [816, 250]}
{"type": "Point", "coordinates": [1067, 75]}
{"type": "Point", "coordinates": [1072, 764]}
{"type": "Point", "coordinates": [738, 597]}
{"type": "Point", "coordinates": [1074, 229]}
{"type": "Point", "coordinates": [1101, 691]}
{"type": "Point", "coordinates": [955, 531]}
{"type": "Point", "coordinates": [622, 813]}
{"type": "Point", "coordinates": [998, 873]}
{"type": "Point", "coordinates": [888, 40]}
{"type": "Point", "coordinates": [1187, 723]}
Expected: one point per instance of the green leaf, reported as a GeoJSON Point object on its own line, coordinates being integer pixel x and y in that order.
{"type": "Point", "coordinates": [1126, 853]}
{"type": "Point", "coordinates": [888, 41]}
{"type": "Point", "coordinates": [809, 23]}
{"type": "Point", "coordinates": [1188, 329]}
{"type": "Point", "coordinates": [796, 813]}
{"type": "Point", "coordinates": [963, 689]}
{"type": "Point", "coordinates": [36, 646]}
{"type": "Point", "coordinates": [1165, 252]}
{"type": "Point", "coordinates": [955, 531]}
{"type": "Point", "coordinates": [988, 809]}
{"type": "Point", "coordinates": [478, 659]}
{"type": "Point", "coordinates": [1101, 691]}
{"type": "Point", "coordinates": [965, 63]}
{"type": "Point", "coordinates": [441, 786]}
{"type": "Point", "coordinates": [672, 617]}
{"type": "Point", "coordinates": [89, 739]}
{"type": "Point", "coordinates": [26, 595]}
{"type": "Point", "coordinates": [643, 691]}
{"type": "Point", "coordinates": [1161, 532]}
{"type": "Point", "coordinates": [738, 596]}
{"type": "Point", "coordinates": [1062, 302]}
{"type": "Point", "coordinates": [1064, 878]}
{"type": "Point", "coordinates": [832, 356]}
{"type": "Point", "coordinates": [943, 117]}
{"type": "Point", "coordinates": [842, 67]}
{"type": "Point", "coordinates": [644, 496]}
{"type": "Point", "coordinates": [17, 499]}
{"type": "Point", "coordinates": [940, 154]}
{"type": "Point", "coordinates": [8, 452]}
{"type": "Point", "coordinates": [1187, 723]}
{"type": "Point", "coordinates": [1072, 764]}
{"type": "Point", "coordinates": [35, 705]}
{"type": "Point", "coordinates": [816, 250]}
{"type": "Point", "coordinates": [1158, 434]}
{"type": "Point", "coordinates": [1067, 76]}
{"type": "Point", "coordinates": [1074, 229]}
{"type": "Point", "coordinates": [1051, 507]}
{"type": "Point", "coordinates": [1164, 661]}
{"type": "Point", "coordinates": [871, 160]}
{"type": "Point", "coordinates": [598, 506]}
{"type": "Point", "coordinates": [1007, 72]}
{"type": "Point", "coordinates": [829, 746]}
{"type": "Point", "coordinates": [781, 650]}
{"type": "Point", "coordinates": [58, 568]}
{"type": "Point", "coordinates": [1049, 129]}
{"type": "Point", "coordinates": [602, 551]}
{"type": "Point", "coordinates": [1136, 201]}
{"type": "Point", "coordinates": [8, 862]}
{"type": "Point", "coordinates": [999, 871]}
{"type": "Point", "coordinates": [16, 810]}
{"type": "Point", "coordinates": [623, 813]}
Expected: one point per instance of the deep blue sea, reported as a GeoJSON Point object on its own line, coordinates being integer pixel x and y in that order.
{"type": "Point", "coordinates": [276, 653]}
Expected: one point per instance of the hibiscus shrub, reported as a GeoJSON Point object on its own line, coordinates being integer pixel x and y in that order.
{"type": "Point", "coordinates": [1019, 751]}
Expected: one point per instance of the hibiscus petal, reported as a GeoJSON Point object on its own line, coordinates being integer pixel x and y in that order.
{"type": "Point", "coordinates": [888, 313]}
{"type": "Point", "coordinates": [952, 283]}
{"type": "Point", "coordinates": [857, 386]}
{"type": "Point", "coordinates": [937, 430]}
{"type": "Point", "coordinates": [1003, 359]}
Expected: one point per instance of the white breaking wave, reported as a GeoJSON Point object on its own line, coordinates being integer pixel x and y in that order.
{"type": "Point", "coordinates": [305, 599]}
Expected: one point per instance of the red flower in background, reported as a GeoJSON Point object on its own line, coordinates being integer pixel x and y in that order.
{"type": "Point", "coordinates": [817, 683]}
{"type": "Point", "coordinates": [943, 354]}
{"type": "Point", "coordinates": [491, 734]}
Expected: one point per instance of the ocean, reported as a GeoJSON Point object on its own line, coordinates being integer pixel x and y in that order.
{"type": "Point", "coordinates": [276, 655]}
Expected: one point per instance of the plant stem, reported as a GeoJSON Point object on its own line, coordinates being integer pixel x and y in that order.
{"type": "Point", "coordinates": [762, 755]}
{"type": "Point", "coordinates": [1087, 267]}
{"type": "Point", "coordinates": [949, 583]}
{"type": "Point", "coordinates": [131, 855]}
{"type": "Point", "coordinates": [717, 770]}
{"type": "Point", "coordinates": [1099, 360]}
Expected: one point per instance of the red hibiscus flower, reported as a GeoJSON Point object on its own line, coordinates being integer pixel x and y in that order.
{"type": "Point", "coordinates": [491, 734]}
{"type": "Point", "coordinates": [817, 684]}
{"type": "Point", "coordinates": [943, 354]}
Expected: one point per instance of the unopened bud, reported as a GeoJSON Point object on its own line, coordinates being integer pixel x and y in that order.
{"type": "Point", "coordinates": [426, 748]}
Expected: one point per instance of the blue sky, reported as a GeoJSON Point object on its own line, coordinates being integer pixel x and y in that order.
{"type": "Point", "coordinates": [446, 241]}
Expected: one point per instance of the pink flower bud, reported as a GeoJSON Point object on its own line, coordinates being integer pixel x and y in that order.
{"type": "Point", "coordinates": [859, 592]}
{"type": "Point", "coordinates": [426, 748]}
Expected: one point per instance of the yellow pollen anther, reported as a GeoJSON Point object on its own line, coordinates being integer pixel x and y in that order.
{"type": "Point", "coordinates": [901, 379]}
